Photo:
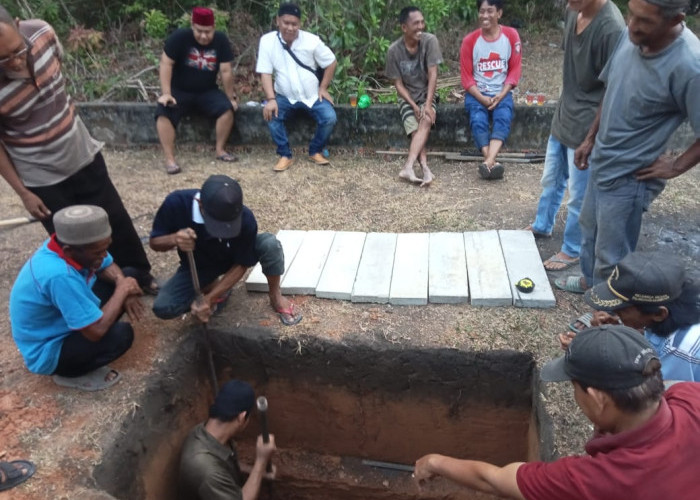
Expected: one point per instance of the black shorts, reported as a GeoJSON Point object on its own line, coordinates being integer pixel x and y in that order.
{"type": "Point", "coordinates": [212, 103]}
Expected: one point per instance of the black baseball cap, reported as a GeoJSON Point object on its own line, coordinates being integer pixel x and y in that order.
{"type": "Point", "coordinates": [234, 397]}
{"type": "Point", "coordinates": [222, 206]}
{"type": "Point", "coordinates": [641, 278]}
{"type": "Point", "coordinates": [605, 357]}
{"type": "Point", "coordinates": [290, 9]}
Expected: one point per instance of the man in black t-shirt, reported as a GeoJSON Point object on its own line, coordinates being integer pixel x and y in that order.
{"type": "Point", "coordinates": [189, 65]}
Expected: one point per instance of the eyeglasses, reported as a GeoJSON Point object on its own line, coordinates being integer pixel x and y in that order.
{"type": "Point", "coordinates": [14, 56]}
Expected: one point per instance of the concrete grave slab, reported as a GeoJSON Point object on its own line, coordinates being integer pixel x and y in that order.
{"type": "Point", "coordinates": [447, 277]}
{"type": "Point", "coordinates": [338, 276]}
{"type": "Point", "coordinates": [488, 277]}
{"type": "Point", "coordinates": [305, 270]}
{"type": "Point", "coordinates": [291, 241]}
{"type": "Point", "coordinates": [373, 280]}
{"type": "Point", "coordinates": [523, 261]}
{"type": "Point", "coordinates": [409, 282]}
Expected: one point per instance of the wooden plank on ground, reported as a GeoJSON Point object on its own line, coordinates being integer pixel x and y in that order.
{"type": "Point", "coordinates": [459, 157]}
{"type": "Point", "coordinates": [488, 277]}
{"type": "Point", "coordinates": [291, 241]}
{"type": "Point", "coordinates": [523, 261]}
{"type": "Point", "coordinates": [447, 275]}
{"type": "Point", "coordinates": [338, 276]}
{"type": "Point", "coordinates": [409, 280]}
{"type": "Point", "coordinates": [373, 280]}
{"type": "Point", "coordinates": [305, 271]}
{"type": "Point", "coordinates": [405, 153]}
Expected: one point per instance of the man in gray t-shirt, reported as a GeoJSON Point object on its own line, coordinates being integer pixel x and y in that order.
{"type": "Point", "coordinates": [412, 63]}
{"type": "Point", "coordinates": [652, 84]}
{"type": "Point", "coordinates": [590, 36]}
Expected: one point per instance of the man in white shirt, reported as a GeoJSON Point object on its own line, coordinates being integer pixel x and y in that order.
{"type": "Point", "coordinates": [295, 58]}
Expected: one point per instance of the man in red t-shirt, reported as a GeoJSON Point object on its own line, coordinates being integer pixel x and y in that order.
{"type": "Point", "coordinates": [645, 444]}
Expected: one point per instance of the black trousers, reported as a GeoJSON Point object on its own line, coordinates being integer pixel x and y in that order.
{"type": "Point", "coordinates": [80, 355]}
{"type": "Point", "coordinates": [91, 185]}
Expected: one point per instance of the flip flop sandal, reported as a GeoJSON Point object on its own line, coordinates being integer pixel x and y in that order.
{"type": "Point", "coordinates": [289, 316]}
{"type": "Point", "coordinates": [584, 321]}
{"type": "Point", "coordinates": [497, 171]}
{"type": "Point", "coordinates": [15, 472]}
{"type": "Point", "coordinates": [227, 157]}
{"type": "Point", "coordinates": [484, 171]}
{"type": "Point", "coordinates": [570, 284]}
{"type": "Point", "coordinates": [173, 169]}
{"type": "Point", "coordinates": [93, 381]}
{"type": "Point", "coordinates": [557, 260]}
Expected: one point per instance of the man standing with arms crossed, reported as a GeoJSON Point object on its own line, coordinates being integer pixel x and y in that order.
{"type": "Point", "coordinates": [592, 30]}
{"type": "Point", "coordinates": [412, 62]}
{"type": "Point", "coordinates": [652, 84]}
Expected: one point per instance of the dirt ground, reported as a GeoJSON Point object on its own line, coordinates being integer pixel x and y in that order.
{"type": "Point", "coordinates": [64, 432]}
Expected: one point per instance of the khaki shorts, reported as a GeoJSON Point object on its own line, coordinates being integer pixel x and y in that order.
{"type": "Point", "coordinates": [410, 123]}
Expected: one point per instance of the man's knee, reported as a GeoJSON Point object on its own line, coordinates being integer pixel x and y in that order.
{"type": "Point", "coordinates": [121, 337]}
{"type": "Point", "coordinates": [328, 117]}
{"type": "Point", "coordinates": [164, 309]}
{"type": "Point", "coordinates": [270, 254]}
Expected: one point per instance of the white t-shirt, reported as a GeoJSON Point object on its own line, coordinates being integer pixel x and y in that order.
{"type": "Point", "coordinates": [291, 80]}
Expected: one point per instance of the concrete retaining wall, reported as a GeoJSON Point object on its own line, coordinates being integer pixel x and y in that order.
{"type": "Point", "coordinates": [379, 127]}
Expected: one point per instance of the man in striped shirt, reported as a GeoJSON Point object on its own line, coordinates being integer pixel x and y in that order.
{"type": "Point", "coordinates": [48, 156]}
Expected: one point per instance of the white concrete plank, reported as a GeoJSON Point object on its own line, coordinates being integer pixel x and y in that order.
{"type": "Point", "coordinates": [338, 276]}
{"type": "Point", "coordinates": [409, 280]}
{"type": "Point", "coordinates": [488, 277]}
{"type": "Point", "coordinates": [523, 261]}
{"type": "Point", "coordinates": [447, 274]}
{"type": "Point", "coordinates": [291, 241]}
{"type": "Point", "coordinates": [304, 272]}
{"type": "Point", "coordinates": [373, 280]}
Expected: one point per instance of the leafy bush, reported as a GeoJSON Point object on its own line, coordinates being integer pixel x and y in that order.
{"type": "Point", "coordinates": [156, 24]}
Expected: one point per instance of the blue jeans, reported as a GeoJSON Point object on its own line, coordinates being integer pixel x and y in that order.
{"type": "Point", "coordinates": [322, 112]}
{"type": "Point", "coordinates": [611, 219]}
{"type": "Point", "coordinates": [177, 294]}
{"type": "Point", "coordinates": [502, 116]}
{"type": "Point", "coordinates": [558, 169]}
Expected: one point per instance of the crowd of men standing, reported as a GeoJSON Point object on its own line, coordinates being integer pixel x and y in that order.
{"type": "Point", "coordinates": [626, 89]}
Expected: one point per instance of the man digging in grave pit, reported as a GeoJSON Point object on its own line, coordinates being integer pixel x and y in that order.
{"type": "Point", "coordinates": [191, 60]}
{"type": "Point", "coordinates": [645, 442]}
{"type": "Point", "coordinates": [67, 300]}
{"type": "Point", "coordinates": [209, 468]}
{"type": "Point", "coordinates": [222, 235]}
{"type": "Point", "coordinates": [412, 62]}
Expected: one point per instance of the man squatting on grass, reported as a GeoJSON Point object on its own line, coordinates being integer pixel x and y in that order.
{"type": "Point", "coordinates": [412, 62]}
{"type": "Point", "coordinates": [67, 300]}
{"type": "Point", "coordinates": [645, 443]}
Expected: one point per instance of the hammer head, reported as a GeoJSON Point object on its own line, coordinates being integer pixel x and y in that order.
{"type": "Point", "coordinates": [262, 404]}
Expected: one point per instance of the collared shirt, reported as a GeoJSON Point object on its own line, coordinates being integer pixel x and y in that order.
{"type": "Point", "coordinates": [208, 469]}
{"type": "Point", "coordinates": [180, 210]}
{"type": "Point", "coordinates": [52, 297]}
{"type": "Point", "coordinates": [44, 138]}
{"type": "Point", "coordinates": [291, 80]}
{"type": "Point", "coordinates": [679, 353]}
{"type": "Point", "coordinates": [656, 460]}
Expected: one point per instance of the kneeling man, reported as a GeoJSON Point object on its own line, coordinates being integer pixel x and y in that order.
{"type": "Point", "coordinates": [67, 299]}
{"type": "Point", "coordinates": [222, 235]}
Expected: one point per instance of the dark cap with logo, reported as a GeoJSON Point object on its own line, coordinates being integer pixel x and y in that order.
{"type": "Point", "coordinates": [222, 206]}
{"type": "Point", "coordinates": [640, 278]}
{"type": "Point", "coordinates": [290, 9]}
{"type": "Point", "coordinates": [607, 357]}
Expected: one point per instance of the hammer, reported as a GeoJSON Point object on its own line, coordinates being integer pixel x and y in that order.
{"type": "Point", "coordinates": [207, 343]}
{"type": "Point", "coordinates": [262, 409]}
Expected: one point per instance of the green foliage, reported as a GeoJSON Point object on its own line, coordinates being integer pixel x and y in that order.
{"type": "Point", "coordinates": [156, 24]}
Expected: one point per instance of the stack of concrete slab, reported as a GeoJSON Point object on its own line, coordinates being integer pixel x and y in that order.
{"type": "Point", "coordinates": [480, 267]}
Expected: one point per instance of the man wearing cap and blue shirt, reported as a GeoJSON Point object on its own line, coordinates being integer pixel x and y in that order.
{"type": "Point", "coordinates": [67, 300]}
{"type": "Point", "coordinates": [209, 468]}
{"type": "Point", "coordinates": [645, 443]}
{"type": "Point", "coordinates": [293, 57]}
{"type": "Point", "coordinates": [651, 293]}
{"type": "Point", "coordinates": [223, 235]}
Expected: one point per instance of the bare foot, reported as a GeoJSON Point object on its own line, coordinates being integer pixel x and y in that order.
{"type": "Point", "coordinates": [427, 176]}
{"type": "Point", "coordinates": [409, 175]}
{"type": "Point", "coordinates": [559, 262]}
